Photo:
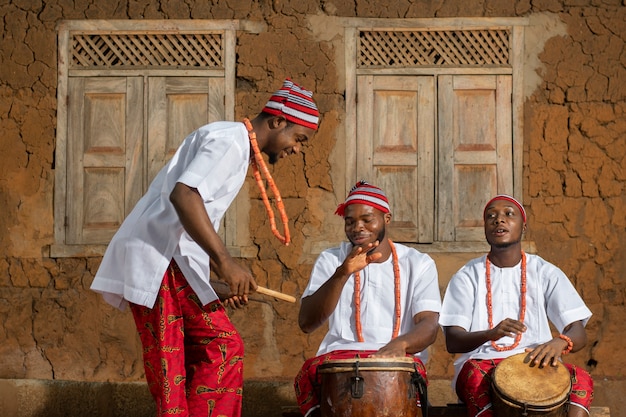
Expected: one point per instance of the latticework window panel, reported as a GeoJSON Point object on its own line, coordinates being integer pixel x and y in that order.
{"type": "Point", "coordinates": [438, 48]}
{"type": "Point", "coordinates": [198, 50]}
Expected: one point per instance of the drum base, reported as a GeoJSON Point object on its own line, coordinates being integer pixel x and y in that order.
{"type": "Point", "coordinates": [503, 408]}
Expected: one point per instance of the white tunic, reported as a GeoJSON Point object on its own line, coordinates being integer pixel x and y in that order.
{"type": "Point", "coordinates": [214, 159]}
{"type": "Point", "coordinates": [550, 297]}
{"type": "Point", "coordinates": [419, 292]}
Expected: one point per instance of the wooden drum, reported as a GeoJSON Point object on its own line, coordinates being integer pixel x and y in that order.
{"type": "Point", "coordinates": [368, 387]}
{"type": "Point", "coordinates": [519, 389]}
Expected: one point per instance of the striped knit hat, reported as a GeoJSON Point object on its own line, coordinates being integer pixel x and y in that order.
{"type": "Point", "coordinates": [364, 193]}
{"type": "Point", "coordinates": [295, 104]}
{"type": "Point", "coordinates": [510, 200]}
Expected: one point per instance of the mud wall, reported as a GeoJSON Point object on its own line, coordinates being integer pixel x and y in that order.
{"type": "Point", "coordinates": [53, 327]}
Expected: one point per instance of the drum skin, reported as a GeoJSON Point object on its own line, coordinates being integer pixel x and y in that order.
{"type": "Point", "coordinates": [519, 389]}
{"type": "Point", "coordinates": [387, 388]}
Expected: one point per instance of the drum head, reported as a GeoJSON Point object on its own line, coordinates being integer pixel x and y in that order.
{"type": "Point", "coordinates": [367, 364]}
{"type": "Point", "coordinates": [524, 384]}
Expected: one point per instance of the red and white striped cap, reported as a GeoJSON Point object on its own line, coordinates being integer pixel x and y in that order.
{"type": "Point", "coordinates": [295, 104]}
{"type": "Point", "coordinates": [364, 193]}
{"type": "Point", "coordinates": [511, 200]}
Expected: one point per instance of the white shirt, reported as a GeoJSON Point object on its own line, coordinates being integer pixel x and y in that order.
{"type": "Point", "coordinates": [214, 159]}
{"type": "Point", "coordinates": [419, 292]}
{"type": "Point", "coordinates": [550, 297]}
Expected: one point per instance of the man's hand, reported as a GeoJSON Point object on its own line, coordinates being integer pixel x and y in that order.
{"type": "Point", "coordinates": [238, 278]}
{"type": "Point", "coordinates": [507, 327]}
{"type": "Point", "coordinates": [394, 349]}
{"type": "Point", "coordinates": [234, 301]}
{"type": "Point", "coordinates": [547, 353]}
{"type": "Point", "coordinates": [359, 257]}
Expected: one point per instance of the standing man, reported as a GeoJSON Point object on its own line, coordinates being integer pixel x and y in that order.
{"type": "Point", "coordinates": [161, 258]}
{"type": "Point", "coordinates": [380, 298]}
{"type": "Point", "coordinates": [500, 304]}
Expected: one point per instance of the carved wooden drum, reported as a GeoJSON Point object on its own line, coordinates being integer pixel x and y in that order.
{"type": "Point", "coordinates": [522, 390]}
{"type": "Point", "coordinates": [368, 387]}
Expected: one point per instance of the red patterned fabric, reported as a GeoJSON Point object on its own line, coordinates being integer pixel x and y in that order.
{"type": "Point", "coordinates": [474, 383]}
{"type": "Point", "coordinates": [307, 383]}
{"type": "Point", "coordinates": [193, 355]}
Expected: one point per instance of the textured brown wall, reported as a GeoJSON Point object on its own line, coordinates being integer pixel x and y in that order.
{"type": "Point", "coordinates": [53, 327]}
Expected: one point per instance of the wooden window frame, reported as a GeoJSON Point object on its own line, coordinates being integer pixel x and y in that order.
{"type": "Point", "coordinates": [355, 68]}
{"type": "Point", "coordinates": [71, 64]}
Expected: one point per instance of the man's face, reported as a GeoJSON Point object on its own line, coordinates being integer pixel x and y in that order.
{"type": "Point", "coordinates": [364, 224]}
{"type": "Point", "coordinates": [287, 140]}
{"type": "Point", "coordinates": [504, 224]}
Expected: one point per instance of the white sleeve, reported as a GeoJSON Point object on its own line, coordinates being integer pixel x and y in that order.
{"type": "Point", "coordinates": [563, 303]}
{"type": "Point", "coordinates": [325, 266]}
{"type": "Point", "coordinates": [426, 287]}
{"type": "Point", "coordinates": [458, 301]}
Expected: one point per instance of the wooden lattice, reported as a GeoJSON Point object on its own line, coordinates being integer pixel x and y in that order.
{"type": "Point", "coordinates": [154, 50]}
{"type": "Point", "coordinates": [414, 48]}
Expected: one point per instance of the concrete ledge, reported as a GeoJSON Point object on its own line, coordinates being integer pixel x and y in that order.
{"type": "Point", "coordinates": [54, 398]}
{"type": "Point", "coordinates": [262, 398]}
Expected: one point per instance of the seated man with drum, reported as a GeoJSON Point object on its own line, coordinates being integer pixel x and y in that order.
{"type": "Point", "coordinates": [381, 300]}
{"type": "Point", "coordinates": [496, 313]}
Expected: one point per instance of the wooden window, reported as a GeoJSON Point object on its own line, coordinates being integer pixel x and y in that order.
{"type": "Point", "coordinates": [128, 93]}
{"type": "Point", "coordinates": [434, 118]}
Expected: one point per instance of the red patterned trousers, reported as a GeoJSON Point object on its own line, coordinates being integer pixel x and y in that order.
{"type": "Point", "coordinates": [193, 355]}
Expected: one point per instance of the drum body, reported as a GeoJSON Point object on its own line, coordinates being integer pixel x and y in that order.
{"type": "Point", "coordinates": [368, 387]}
{"type": "Point", "coordinates": [519, 389]}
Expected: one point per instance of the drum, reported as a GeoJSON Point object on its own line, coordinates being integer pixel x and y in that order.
{"type": "Point", "coordinates": [368, 387]}
{"type": "Point", "coordinates": [519, 389]}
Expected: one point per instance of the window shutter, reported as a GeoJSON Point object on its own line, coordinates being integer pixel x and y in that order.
{"type": "Point", "coordinates": [105, 155]}
{"type": "Point", "coordinates": [395, 149]}
{"type": "Point", "coordinates": [475, 151]}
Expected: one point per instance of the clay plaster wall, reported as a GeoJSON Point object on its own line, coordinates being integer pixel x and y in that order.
{"type": "Point", "coordinates": [53, 327]}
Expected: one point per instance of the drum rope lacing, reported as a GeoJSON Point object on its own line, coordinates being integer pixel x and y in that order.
{"type": "Point", "coordinates": [522, 312]}
{"type": "Point", "coordinates": [257, 162]}
{"type": "Point", "coordinates": [357, 297]}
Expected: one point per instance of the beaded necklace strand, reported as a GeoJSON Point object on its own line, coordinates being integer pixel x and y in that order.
{"type": "Point", "coordinates": [357, 296]}
{"type": "Point", "coordinates": [257, 162]}
{"type": "Point", "coordinates": [522, 312]}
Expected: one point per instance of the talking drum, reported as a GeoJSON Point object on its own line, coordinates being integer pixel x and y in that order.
{"type": "Point", "coordinates": [368, 387]}
{"type": "Point", "coordinates": [519, 389]}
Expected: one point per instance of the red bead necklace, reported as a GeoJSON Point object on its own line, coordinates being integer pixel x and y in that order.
{"type": "Point", "coordinates": [522, 312]}
{"type": "Point", "coordinates": [257, 162]}
{"type": "Point", "coordinates": [357, 296]}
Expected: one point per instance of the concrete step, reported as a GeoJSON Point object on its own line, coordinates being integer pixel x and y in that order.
{"type": "Point", "coordinates": [262, 398]}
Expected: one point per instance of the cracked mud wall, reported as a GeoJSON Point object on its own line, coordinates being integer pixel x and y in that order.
{"type": "Point", "coordinates": [53, 327]}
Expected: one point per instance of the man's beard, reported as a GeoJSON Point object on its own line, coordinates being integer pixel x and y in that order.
{"type": "Point", "coordinates": [380, 237]}
{"type": "Point", "coordinates": [273, 158]}
{"type": "Point", "coordinates": [505, 245]}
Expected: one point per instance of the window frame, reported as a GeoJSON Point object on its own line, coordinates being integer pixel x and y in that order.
{"type": "Point", "coordinates": [238, 243]}
{"type": "Point", "coordinates": [516, 26]}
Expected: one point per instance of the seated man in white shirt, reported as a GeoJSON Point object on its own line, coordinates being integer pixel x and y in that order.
{"type": "Point", "coordinates": [381, 299]}
{"type": "Point", "coordinates": [499, 305]}
{"type": "Point", "coordinates": [161, 258]}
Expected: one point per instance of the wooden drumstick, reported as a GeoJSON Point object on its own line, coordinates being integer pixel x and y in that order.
{"type": "Point", "coordinates": [261, 290]}
{"type": "Point", "coordinates": [275, 294]}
